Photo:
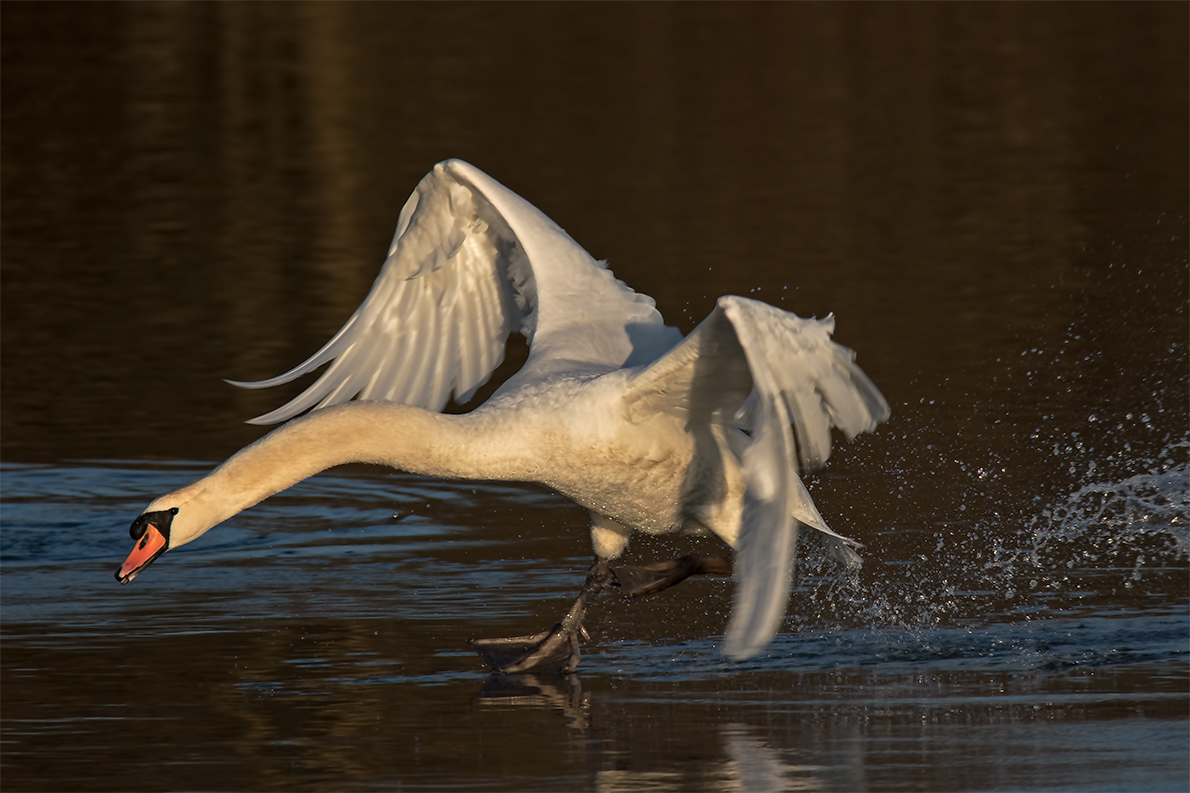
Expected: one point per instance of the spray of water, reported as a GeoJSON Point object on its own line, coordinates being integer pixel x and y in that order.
{"type": "Point", "coordinates": [1106, 547]}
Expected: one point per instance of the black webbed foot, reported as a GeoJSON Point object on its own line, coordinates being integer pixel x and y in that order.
{"type": "Point", "coordinates": [555, 651]}
{"type": "Point", "coordinates": [650, 579]}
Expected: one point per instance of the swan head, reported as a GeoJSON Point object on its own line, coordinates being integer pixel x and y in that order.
{"type": "Point", "coordinates": [165, 524]}
{"type": "Point", "coordinates": [151, 531]}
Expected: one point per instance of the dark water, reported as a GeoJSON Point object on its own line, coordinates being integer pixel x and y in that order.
{"type": "Point", "coordinates": [993, 200]}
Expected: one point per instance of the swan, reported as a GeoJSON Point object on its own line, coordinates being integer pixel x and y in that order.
{"type": "Point", "coordinates": [649, 431]}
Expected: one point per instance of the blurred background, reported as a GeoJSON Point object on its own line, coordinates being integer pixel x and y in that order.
{"type": "Point", "coordinates": [194, 192]}
{"type": "Point", "coordinates": [991, 198]}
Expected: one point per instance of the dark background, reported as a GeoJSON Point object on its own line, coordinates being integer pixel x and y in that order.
{"type": "Point", "coordinates": [193, 192]}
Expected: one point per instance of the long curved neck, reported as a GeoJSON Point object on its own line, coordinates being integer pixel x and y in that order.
{"type": "Point", "coordinates": [404, 437]}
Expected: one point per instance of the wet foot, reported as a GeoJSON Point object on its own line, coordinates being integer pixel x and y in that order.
{"type": "Point", "coordinates": [554, 651]}
{"type": "Point", "coordinates": [654, 578]}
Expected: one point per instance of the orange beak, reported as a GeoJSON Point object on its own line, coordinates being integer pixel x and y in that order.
{"type": "Point", "coordinates": [150, 545]}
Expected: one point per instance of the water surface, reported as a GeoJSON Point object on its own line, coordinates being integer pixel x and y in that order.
{"type": "Point", "coordinates": [991, 199]}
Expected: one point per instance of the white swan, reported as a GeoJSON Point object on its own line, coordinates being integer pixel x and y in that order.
{"type": "Point", "coordinates": [648, 431]}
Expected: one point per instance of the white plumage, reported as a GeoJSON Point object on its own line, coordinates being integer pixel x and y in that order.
{"type": "Point", "coordinates": [649, 431]}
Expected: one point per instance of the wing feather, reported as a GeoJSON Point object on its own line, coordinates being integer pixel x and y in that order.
{"type": "Point", "coordinates": [470, 262]}
{"type": "Point", "coordinates": [781, 378]}
{"type": "Point", "coordinates": [385, 382]}
{"type": "Point", "coordinates": [472, 348]}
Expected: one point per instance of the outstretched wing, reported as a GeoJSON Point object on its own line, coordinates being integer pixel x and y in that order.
{"type": "Point", "coordinates": [781, 378]}
{"type": "Point", "coordinates": [470, 262]}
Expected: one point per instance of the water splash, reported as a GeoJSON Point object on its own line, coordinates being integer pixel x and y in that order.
{"type": "Point", "coordinates": [1144, 519]}
{"type": "Point", "coordinates": [1107, 547]}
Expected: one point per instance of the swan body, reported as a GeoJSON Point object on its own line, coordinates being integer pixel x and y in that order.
{"type": "Point", "coordinates": [649, 431]}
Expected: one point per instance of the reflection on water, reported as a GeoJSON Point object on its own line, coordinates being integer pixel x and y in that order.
{"type": "Point", "coordinates": [991, 198]}
{"type": "Point", "coordinates": [560, 694]}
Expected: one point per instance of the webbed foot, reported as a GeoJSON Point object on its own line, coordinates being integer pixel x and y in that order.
{"type": "Point", "coordinates": [550, 652]}
{"type": "Point", "coordinates": [653, 578]}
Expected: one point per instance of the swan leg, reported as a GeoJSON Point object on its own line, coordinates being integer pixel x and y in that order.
{"type": "Point", "coordinates": [653, 578]}
{"type": "Point", "coordinates": [553, 651]}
